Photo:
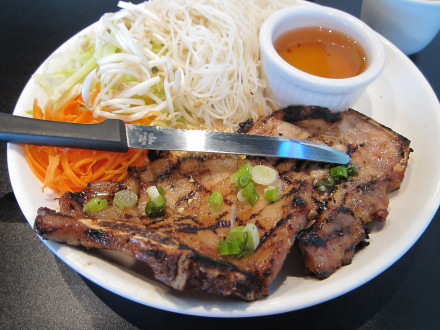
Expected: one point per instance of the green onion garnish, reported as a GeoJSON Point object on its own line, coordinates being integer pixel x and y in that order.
{"type": "Point", "coordinates": [336, 174]}
{"type": "Point", "coordinates": [352, 169]}
{"type": "Point", "coordinates": [244, 180]}
{"type": "Point", "coordinates": [264, 175]}
{"type": "Point", "coordinates": [253, 198]}
{"type": "Point", "coordinates": [242, 240]}
{"type": "Point", "coordinates": [339, 172]}
{"type": "Point", "coordinates": [250, 193]}
{"type": "Point", "coordinates": [248, 190]}
{"type": "Point", "coordinates": [156, 206]}
{"type": "Point", "coordinates": [95, 204]}
{"type": "Point", "coordinates": [125, 198]}
{"type": "Point", "coordinates": [229, 247]}
{"type": "Point", "coordinates": [215, 201]}
{"type": "Point", "coordinates": [272, 194]}
{"type": "Point", "coordinates": [246, 168]}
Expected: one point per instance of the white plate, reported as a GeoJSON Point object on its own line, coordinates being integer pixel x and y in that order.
{"type": "Point", "coordinates": [400, 98]}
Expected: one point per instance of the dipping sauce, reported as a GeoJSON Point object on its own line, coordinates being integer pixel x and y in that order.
{"type": "Point", "coordinates": [322, 52]}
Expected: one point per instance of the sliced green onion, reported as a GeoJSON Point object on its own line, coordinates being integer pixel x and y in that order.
{"type": "Point", "coordinates": [246, 168]}
{"type": "Point", "coordinates": [156, 206]}
{"type": "Point", "coordinates": [250, 193]}
{"type": "Point", "coordinates": [155, 210]}
{"type": "Point", "coordinates": [95, 204]}
{"type": "Point", "coordinates": [242, 240]}
{"type": "Point", "coordinates": [352, 169]}
{"type": "Point", "coordinates": [253, 237]}
{"type": "Point", "coordinates": [244, 180]}
{"type": "Point", "coordinates": [336, 174]}
{"type": "Point", "coordinates": [125, 198]}
{"type": "Point", "coordinates": [327, 183]}
{"type": "Point", "coordinates": [240, 196]}
{"type": "Point", "coordinates": [229, 247]}
{"type": "Point", "coordinates": [248, 190]}
{"type": "Point", "coordinates": [215, 201]}
{"type": "Point", "coordinates": [264, 175]}
{"type": "Point", "coordinates": [236, 232]}
{"type": "Point", "coordinates": [272, 194]}
{"type": "Point", "coordinates": [253, 198]}
{"type": "Point", "coordinates": [339, 172]}
{"type": "Point", "coordinates": [321, 186]}
{"type": "Point", "coordinates": [153, 192]}
{"type": "Point", "coordinates": [161, 190]}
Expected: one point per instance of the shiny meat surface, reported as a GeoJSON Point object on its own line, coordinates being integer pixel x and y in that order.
{"type": "Point", "coordinates": [182, 246]}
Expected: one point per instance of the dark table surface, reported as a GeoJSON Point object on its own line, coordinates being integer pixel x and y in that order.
{"type": "Point", "coordinates": [37, 290]}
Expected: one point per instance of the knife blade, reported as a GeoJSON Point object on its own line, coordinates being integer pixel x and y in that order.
{"type": "Point", "coordinates": [115, 135]}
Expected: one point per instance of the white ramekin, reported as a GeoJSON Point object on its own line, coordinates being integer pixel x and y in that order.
{"type": "Point", "coordinates": [291, 86]}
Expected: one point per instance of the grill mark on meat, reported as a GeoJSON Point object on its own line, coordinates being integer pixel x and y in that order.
{"type": "Point", "coordinates": [169, 171]}
{"type": "Point", "coordinates": [97, 235]}
{"type": "Point", "coordinates": [271, 232]}
{"type": "Point", "coordinates": [298, 201]}
{"type": "Point", "coordinates": [191, 229]}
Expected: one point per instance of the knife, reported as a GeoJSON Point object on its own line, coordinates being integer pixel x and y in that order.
{"type": "Point", "coordinates": [115, 135]}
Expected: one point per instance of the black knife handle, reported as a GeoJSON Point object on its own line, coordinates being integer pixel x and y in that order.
{"type": "Point", "coordinates": [108, 135]}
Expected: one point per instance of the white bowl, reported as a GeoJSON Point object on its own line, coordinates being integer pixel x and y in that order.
{"type": "Point", "coordinates": [291, 86]}
{"type": "Point", "coordinates": [409, 24]}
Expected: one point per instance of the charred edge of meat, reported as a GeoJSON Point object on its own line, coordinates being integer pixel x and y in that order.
{"type": "Point", "coordinates": [133, 172]}
{"type": "Point", "coordinates": [97, 235]}
{"type": "Point", "coordinates": [403, 139]}
{"type": "Point", "coordinates": [363, 244]}
{"type": "Point", "coordinates": [208, 273]}
{"type": "Point", "coordinates": [156, 154]}
{"type": "Point", "coordinates": [351, 149]}
{"type": "Point", "coordinates": [245, 126]}
{"type": "Point", "coordinates": [78, 197]}
{"type": "Point", "coordinates": [214, 276]}
{"type": "Point", "coordinates": [293, 114]}
{"type": "Point", "coordinates": [318, 241]}
{"type": "Point", "coordinates": [41, 229]}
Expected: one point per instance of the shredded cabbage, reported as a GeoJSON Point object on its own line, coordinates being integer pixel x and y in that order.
{"type": "Point", "coordinates": [196, 62]}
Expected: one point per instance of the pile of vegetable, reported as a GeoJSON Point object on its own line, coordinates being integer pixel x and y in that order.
{"type": "Point", "coordinates": [170, 63]}
{"type": "Point", "coordinates": [66, 169]}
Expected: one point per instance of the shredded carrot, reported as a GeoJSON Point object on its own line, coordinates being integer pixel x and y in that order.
{"type": "Point", "coordinates": [67, 169]}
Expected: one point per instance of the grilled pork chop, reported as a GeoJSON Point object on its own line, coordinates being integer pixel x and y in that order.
{"type": "Point", "coordinates": [339, 218]}
{"type": "Point", "coordinates": [182, 246]}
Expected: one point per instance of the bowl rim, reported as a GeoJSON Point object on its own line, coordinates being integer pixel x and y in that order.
{"type": "Point", "coordinates": [341, 21]}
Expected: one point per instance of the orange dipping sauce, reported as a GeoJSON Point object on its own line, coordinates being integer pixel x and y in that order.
{"type": "Point", "coordinates": [322, 52]}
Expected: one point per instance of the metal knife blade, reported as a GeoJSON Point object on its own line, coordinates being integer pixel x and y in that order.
{"type": "Point", "coordinates": [157, 138]}
{"type": "Point", "coordinates": [115, 135]}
